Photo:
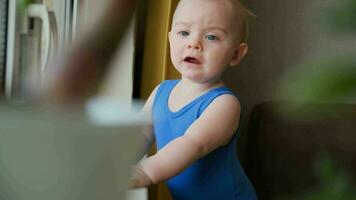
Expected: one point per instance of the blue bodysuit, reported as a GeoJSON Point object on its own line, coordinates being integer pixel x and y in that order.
{"type": "Point", "coordinates": [219, 174]}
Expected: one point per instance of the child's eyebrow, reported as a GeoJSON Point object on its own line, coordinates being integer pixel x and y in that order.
{"type": "Point", "coordinates": [182, 24]}
{"type": "Point", "coordinates": [186, 24]}
{"type": "Point", "coordinates": [217, 28]}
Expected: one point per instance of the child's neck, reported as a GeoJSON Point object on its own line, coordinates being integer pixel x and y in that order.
{"type": "Point", "coordinates": [195, 87]}
{"type": "Point", "coordinates": [186, 91]}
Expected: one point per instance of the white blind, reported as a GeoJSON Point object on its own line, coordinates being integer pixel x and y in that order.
{"type": "Point", "coordinates": [3, 22]}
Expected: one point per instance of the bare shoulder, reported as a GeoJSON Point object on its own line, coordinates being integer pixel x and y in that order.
{"type": "Point", "coordinates": [154, 91]}
{"type": "Point", "coordinates": [228, 98]}
{"type": "Point", "coordinates": [224, 110]}
{"type": "Point", "coordinates": [226, 103]}
{"type": "Point", "coordinates": [217, 124]}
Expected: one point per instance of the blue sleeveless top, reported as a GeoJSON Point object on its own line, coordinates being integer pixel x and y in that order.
{"type": "Point", "coordinates": [219, 174]}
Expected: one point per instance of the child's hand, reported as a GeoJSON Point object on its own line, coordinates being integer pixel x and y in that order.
{"type": "Point", "coordinates": [139, 178]}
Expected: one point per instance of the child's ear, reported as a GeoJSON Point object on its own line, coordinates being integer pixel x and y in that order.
{"type": "Point", "coordinates": [239, 53]}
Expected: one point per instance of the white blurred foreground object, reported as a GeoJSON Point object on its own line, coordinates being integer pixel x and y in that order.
{"type": "Point", "coordinates": [51, 156]}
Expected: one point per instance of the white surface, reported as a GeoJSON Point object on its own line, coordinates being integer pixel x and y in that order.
{"type": "Point", "coordinates": [137, 194]}
{"type": "Point", "coordinates": [10, 54]}
{"type": "Point", "coordinates": [103, 110]}
{"type": "Point", "coordinates": [46, 155]}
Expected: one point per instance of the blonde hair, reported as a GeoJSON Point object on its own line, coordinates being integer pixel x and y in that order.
{"type": "Point", "coordinates": [244, 17]}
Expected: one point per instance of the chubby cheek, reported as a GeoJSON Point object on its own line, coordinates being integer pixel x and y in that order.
{"type": "Point", "coordinates": [222, 57]}
{"type": "Point", "coordinates": [219, 58]}
{"type": "Point", "coordinates": [176, 54]}
{"type": "Point", "coordinates": [174, 57]}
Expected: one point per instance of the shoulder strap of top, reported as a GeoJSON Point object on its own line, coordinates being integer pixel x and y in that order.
{"type": "Point", "coordinates": [164, 90]}
{"type": "Point", "coordinates": [213, 94]}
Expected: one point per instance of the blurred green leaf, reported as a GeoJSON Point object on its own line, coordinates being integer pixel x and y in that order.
{"type": "Point", "coordinates": [341, 18]}
{"type": "Point", "coordinates": [23, 4]}
{"type": "Point", "coordinates": [323, 81]}
{"type": "Point", "coordinates": [333, 182]}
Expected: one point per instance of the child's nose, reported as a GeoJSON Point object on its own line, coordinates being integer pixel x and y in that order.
{"type": "Point", "coordinates": [195, 44]}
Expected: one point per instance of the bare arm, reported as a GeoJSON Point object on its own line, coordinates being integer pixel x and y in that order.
{"type": "Point", "coordinates": [147, 109]}
{"type": "Point", "coordinates": [139, 177]}
{"type": "Point", "coordinates": [203, 136]}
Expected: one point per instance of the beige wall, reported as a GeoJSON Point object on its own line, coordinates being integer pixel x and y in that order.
{"type": "Point", "coordinates": [277, 42]}
{"type": "Point", "coordinates": [283, 36]}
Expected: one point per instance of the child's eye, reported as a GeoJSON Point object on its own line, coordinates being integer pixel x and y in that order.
{"type": "Point", "coordinates": [211, 37]}
{"type": "Point", "coordinates": [183, 33]}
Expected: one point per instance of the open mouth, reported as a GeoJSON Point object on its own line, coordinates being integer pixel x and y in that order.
{"type": "Point", "coordinates": [192, 60]}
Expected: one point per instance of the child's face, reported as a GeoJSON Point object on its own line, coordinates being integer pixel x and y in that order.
{"type": "Point", "coordinates": [203, 39]}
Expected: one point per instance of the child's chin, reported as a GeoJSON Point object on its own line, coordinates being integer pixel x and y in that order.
{"type": "Point", "coordinates": [195, 78]}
